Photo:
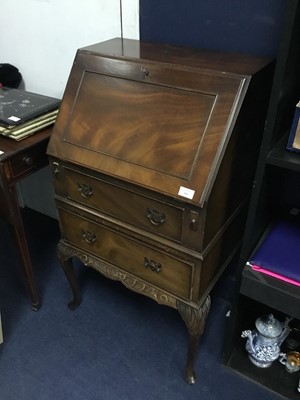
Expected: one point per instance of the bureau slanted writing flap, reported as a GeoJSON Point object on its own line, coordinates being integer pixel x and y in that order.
{"type": "Point", "coordinates": [138, 124]}
{"type": "Point", "coordinates": [158, 125]}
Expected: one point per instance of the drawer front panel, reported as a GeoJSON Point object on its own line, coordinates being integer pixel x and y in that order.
{"type": "Point", "coordinates": [28, 161]}
{"type": "Point", "coordinates": [154, 266]}
{"type": "Point", "coordinates": [144, 212]}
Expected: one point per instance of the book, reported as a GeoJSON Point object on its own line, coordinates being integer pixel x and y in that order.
{"type": "Point", "coordinates": [18, 106]}
{"type": "Point", "coordinates": [277, 254]}
{"type": "Point", "coordinates": [28, 128]}
{"type": "Point", "coordinates": [294, 136]}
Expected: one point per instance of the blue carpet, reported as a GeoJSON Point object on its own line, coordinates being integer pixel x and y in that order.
{"type": "Point", "coordinates": [116, 345]}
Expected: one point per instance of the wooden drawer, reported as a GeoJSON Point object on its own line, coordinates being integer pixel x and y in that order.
{"type": "Point", "coordinates": [141, 211]}
{"type": "Point", "coordinates": [28, 161]}
{"type": "Point", "coordinates": [156, 267]}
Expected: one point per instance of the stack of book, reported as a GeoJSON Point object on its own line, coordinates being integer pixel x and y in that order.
{"type": "Point", "coordinates": [24, 113]}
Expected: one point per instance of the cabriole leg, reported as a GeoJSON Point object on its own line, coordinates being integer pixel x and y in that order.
{"type": "Point", "coordinates": [194, 319]}
{"type": "Point", "coordinates": [65, 254]}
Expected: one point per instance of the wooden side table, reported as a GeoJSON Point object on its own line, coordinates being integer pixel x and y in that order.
{"type": "Point", "coordinates": [17, 161]}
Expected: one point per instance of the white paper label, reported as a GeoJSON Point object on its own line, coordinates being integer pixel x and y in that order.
{"type": "Point", "coordinates": [1, 152]}
{"type": "Point", "coordinates": [185, 192]}
{"type": "Point", "coordinates": [14, 119]}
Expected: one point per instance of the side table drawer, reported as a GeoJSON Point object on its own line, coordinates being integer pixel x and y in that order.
{"type": "Point", "coordinates": [142, 260]}
{"type": "Point", "coordinates": [28, 161]}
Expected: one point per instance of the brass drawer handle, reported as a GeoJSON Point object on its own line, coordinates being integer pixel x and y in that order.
{"type": "Point", "coordinates": [88, 237]}
{"type": "Point", "coordinates": [85, 190]}
{"type": "Point", "coordinates": [155, 217]}
{"type": "Point", "coordinates": [153, 265]}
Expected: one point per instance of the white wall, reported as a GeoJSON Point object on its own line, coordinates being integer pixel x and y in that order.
{"type": "Point", "coordinates": [41, 37]}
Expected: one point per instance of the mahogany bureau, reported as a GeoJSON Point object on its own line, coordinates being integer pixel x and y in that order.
{"type": "Point", "coordinates": [153, 155]}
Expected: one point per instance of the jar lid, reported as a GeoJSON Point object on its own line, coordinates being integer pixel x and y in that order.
{"type": "Point", "coordinates": [269, 326]}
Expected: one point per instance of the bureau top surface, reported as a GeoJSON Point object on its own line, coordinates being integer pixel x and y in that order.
{"type": "Point", "coordinates": [238, 63]}
{"type": "Point", "coordinates": [154, 115]}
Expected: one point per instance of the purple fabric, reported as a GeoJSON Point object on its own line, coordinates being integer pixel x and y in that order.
{"type": "Point", "coordinates": [279, 252]}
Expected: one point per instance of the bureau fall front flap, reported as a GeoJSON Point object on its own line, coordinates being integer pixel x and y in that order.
{"type": "Point", "coordinates": [159, 119]}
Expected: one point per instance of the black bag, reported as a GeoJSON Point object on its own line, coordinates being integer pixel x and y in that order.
{"type": "Point", "coordinates": [10, 76]}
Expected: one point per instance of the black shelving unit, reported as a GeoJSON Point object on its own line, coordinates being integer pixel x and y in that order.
{"type": "Point", "coordinates": [276, 192]}
{"type": "Point", "coordinates": [282, 158]}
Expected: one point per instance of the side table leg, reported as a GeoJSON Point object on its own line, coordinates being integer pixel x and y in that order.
{"type": "Point", "coordinates": [19, 232]}
{"type": "Point", "coordinates": [194, 319]}
{"type": "Point", "coordinates": [65, 254]}
{"type": "Point", "coordinates": [27, 266]}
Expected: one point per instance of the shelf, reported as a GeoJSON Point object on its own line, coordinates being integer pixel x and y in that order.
{"type": "Point", "coordinates": [274, 377]}
{"type": "Point", "coordinates": [271, 291]}
{"type": "Point", "coordinates": [280, 157]}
